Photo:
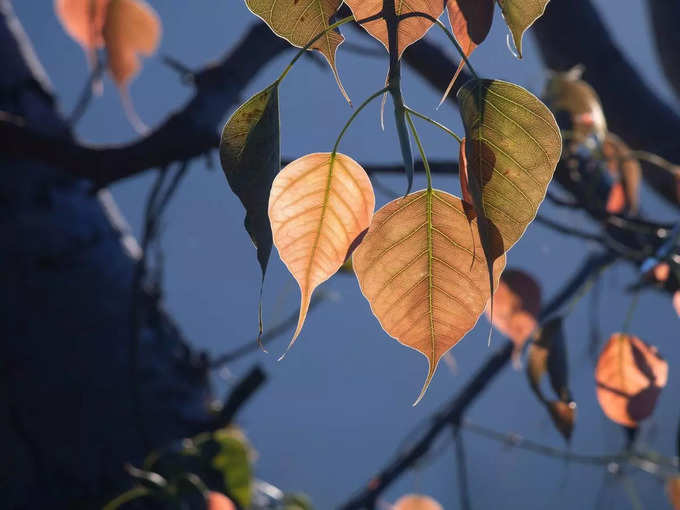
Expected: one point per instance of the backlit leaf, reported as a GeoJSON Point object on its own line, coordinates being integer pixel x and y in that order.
{"type": "Point", "coordinates": [629, 377]}
{"type": "Point", "coordinates": [299, 21]}
{"type": "Point", "coordinates": [520, 15]}
{"type": "Point", "coordinates": [512, 147]}
{"type": "Point", "coordinates": [317, 208]}
{"type": "Point", "coordinates": [83, 20]}
{"type": "Point", "coordinates": [416, 269]}
{"type": "Point", "coordinates": [416, 502]}
{"type": "Point", "coordinates": [673, 491]}
{"type": "Point", "coordinates": [676, 302]}
{"type": "Point", "coordinates": [250, 156]}
{"type": "Point", "coordinates": [627, 171]}
{"type": "Point", "coordinates": [563, 415]}
{"type": "Point", "coordinates": [217, 501]}
{"type": "Point", "coordinates": [232, 460]}
{"type": "Point", "coordinates": [409, 30]}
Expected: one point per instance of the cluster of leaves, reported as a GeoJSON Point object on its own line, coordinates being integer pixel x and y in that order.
{"type": "Point", "coordinates": [427, 262]}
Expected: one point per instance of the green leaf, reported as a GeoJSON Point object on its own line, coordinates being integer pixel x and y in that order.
{"type": "Point", "coordinates": [251, 158]}
{"type": "Point", "coordinates": [512, 147]}
{"type": "Point", "coordinates": [299, 22]}
{"type": "Point", "coordinates": [520, 15]}
{"type": "Point", "coordinates": [297, 501]}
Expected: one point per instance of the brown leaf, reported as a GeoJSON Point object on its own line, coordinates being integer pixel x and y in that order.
{"type": "Point", "coordinates": [629, 377]}
{"type": "Point", "coordinates": [409, 30]}
{"type": "Point", "coordinates": [416, 502]}
{"type": "Point", "coordinates": [563, 415]}
{"type": "Point", "coordinates": [628, 172]}
{"type": "Point", "coordinates": [519, 16]}
{"type": "Point", "coordinates": [217, 501]}
{"type": "Point", "coordinates": [83, 20]}
{"type": "Point", "coordinates": [673, 491]}
{"type": "Point", "coordinates": [318, 206]}
{"type": "Point", "coordinates": [422, 269]}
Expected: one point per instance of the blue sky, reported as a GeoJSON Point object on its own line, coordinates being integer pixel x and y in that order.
{"type": "Point", "coordinates": [340, 403]}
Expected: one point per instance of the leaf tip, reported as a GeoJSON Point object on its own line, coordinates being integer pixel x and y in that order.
{"type": "Point", "coordinates": [432, 367]}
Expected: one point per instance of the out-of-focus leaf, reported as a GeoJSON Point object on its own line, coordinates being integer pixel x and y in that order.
{"type": "Point", "coordinates": [512, 148]}
{"type": "Point", "coordinates": [409, 30]}
{"type": "Point", "coordinates": [318, 207]}
{"type": "Point", "coordinates": [217, 501]}
{"type": "Point", "coordinates": [251, 157]}
{"type": "Point", "coordinates": [299, 22]}
{"type": "Point", "coordinates": [423, 272]}
{"type": "Point", "coordinates": [297, 501]}
{"type": "Point", "coordinates": [83, 20]}
{"type": "Point", "coordinates": [470, 22]}
{"type": "Point", "coordinates": [416, 502]}
{"type": "Point", "coordinates": [629, 377]}
{"type": "Point", "coordinates": [676, 302]}
{"type": "Point", "coordinates": [520, 15]}
{"type": "Point", "coordinates": [563, 415]}
{"type": "Point", "coordinates": [626, 170]}
{"type": "Point", "coordinates": [673, 491]}
{"type": "Point", "coordinates": [232, 460]}
{"type": "Point", "coordinates": [567, 92]}
{"type": "Point", "coordinates": [518, 304]}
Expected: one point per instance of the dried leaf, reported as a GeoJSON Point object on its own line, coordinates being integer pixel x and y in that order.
{"type": "Point", "coordinates": [416, 502]}
{"type": "Point", "coordinates": [520, 15]}
{"type": "Point", "coordinates": [409, 30]}
{"type": "Point", "coordinates": [251, 157]}
{"type": "Point", "coordinates": [299, 22]}
{"type": "Point", "coordinates": [83, 20]}
{"type": "Point", "coordinates": [318, 207]}
{"type": "Point", "coordinates": [217, 501]}
{"type": "Point", "coordinates": [563, 415]}
{"type": "Point", "coordinates": [673, 491]}
{"type": "Point", "coordinates": [629, 377]}
{"type": "Point", "coordinates": [512, 148]}
{"type": "Point", "coordinates": [628, 172]}
{"type": "Point", "coordinates": [416, 269]}
{"type": "Point", "coordinates": [470, 22]}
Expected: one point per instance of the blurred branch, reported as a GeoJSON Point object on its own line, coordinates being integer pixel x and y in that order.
{"type": "Point", "coordinates": [664, 16]}
{"type": "Point", "coordinates": [245, 389]}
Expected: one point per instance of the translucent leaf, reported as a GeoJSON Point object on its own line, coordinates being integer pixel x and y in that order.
{"type": "Point", "coordinates": [232, 460]}
{"type": "Point", "coordinates": [423, 272]}
{"type": "Point", "coordinates": [520, 15]}
{"type": "Point", "coordinates": [629, 377]}
{"type": "Point", "coordinates": [673, 491]}
{"type": "Point", "coordinates": [416, 502]}
{"type": "Point", "coordinates": [318, 207]}
{"type": "Point", "coordinates": [217, 501]}
{"type": "Point", "coordinates": [409, 30]}
{"type": "Point", "coordinates": [83, 20]}
{"type": "Point", "coordinates": [300, 21]}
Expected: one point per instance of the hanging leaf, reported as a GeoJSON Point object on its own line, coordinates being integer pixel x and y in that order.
{"type": "Point", "coordinates": [673, 491]}
{"type": "Point", "coordinates": [217, 501]}
{"type": "Point", "coordinates": [416, 502]}
{"type": "Point", "coordinates": [563, 415]}
{"type": "Point", "coordinates": [83, 20]}
{"type": "Point", "coordinates": [409, 30]}
{"type": "Point", "coordinates": [629, 377]}
{"type": "Point", "coordinates": [518, 304]}
{"type": "Point", "coordinates": [422, 271]}
{"type": "Point", "coordinates": [318, 207]}
{"type": "Point", "coordinates": [250, 156]}
{"type": "Point", "coordinates": [626, 169]}
{"type": "Point", "coordinates": [299, 22]}
{"type": "Point", "coordinates": [512, 148]}
{"type": "Point", "coordinates": [520, 15]}
{"type": "Point", "coordinates": [470, 22]}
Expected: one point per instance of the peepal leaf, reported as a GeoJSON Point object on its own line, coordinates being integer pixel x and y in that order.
{"type": "Point", "coordinates": [520, 15]}
{"type": "Point", "coordinates": [250, 156]}
{"type": "Point", "coordinates": [629, 377]}
{"type": "Point", "coordinates": [319, 205]}
{"type": "Point", "coordinates": [512, 147]}
{"type": "Point", "coordinates": [299, 22]}
{"type": "Point", "coordinates": [423, 272]}
{"type": "Point", "coordinates": [416, 502]}
{"type": "Point", "coordinates": [409, 30]}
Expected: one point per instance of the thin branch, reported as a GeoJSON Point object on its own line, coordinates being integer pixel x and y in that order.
{"type": "Point", "coordinates": [241, 393]}
{"type": "Point", "coordinates": [461, 467]}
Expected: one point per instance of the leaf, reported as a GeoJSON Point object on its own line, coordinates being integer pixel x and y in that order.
{"type": "Point", "coordinates": [627, 171]}
{"type": "Point", "coordinates": [416, 502]}
{"type": "Point", "coordinates": [518, 304]}
{"type": "Point", "coordinates": [232, 460]}
{"type": "Point", "coordinates": [676, 302]}
{"type": "Point", "coordinates": [512, 148]}
{"type": "Point", "coordinates": [83, 20]}
{"type": "Point", "coordinates": [251, 157]}
{"type": "Point", "coordinates": [318, 207]}
{"type": "Point", "coordinates": [297, 501]}
{"type": "Point", "coordinates": [673, 491]}
{"type": "Point", "coordinates": [217, 501]}
{"type": "Point", "coordinates": [416, 269]}
{"type": "Point", "coordinates": [629, 377]}
{"type": "Point", "coordinates": [298, 22]}
{"type": "Point", "coordinates": [409, 30]}
{"type": "Point", "coordinates": [470, 22]}
{"type": "Point", "coordinates": [563, 415]}
{"type": "Point", "coordinates": [520, 15]}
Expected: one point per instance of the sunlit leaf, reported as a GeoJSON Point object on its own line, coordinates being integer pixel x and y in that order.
{"type": "Point", "coordinates": [318, 207]}
{"type": "Point", "coordinates": [409, 29]}
{"type": "Point", "coordinates": [512, 147]}
{"type": "Point", "coordinates": [676, 302]}
{"type": "Point", "coordinates": [416, 502]}
{"type": "Point", "coordinates": [627, 171]}
{"type": "Point", "coordinates": [629, 377]}
{"type": "Point", "coordinates": [300, 21]}
{"type": "Point", "coordinates": [217, 501]}
{"type": "Point", "coordinates": [673, 491]}
{"type": "Point", "coordinates": [232, 460]}
{"type": "Point", "coordinates": [250, 156]}
{"type": "Point", "coordinates": [423, 272]}
{"type": "Point", "coordinates": [297, 501]}
{"type": "Point", "coordinates": [520, 15]}
{"type": "Point", "coordinates": [83, 20]}
{"type": "Point", "coordinates": [563, 415]}
{"type": "Point", "coordinates": [470, 22]}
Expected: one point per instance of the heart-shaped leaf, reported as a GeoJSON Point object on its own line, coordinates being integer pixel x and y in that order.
{"type": "Point", "coordinates": [83, 20]}
{"type": "Point", "coordinates": [520, 15]}
{"type": "Point", "coordinates": [512, 148]}
{"type": "Point", "coordinates": [423, 272]}
{"type": "Point", "coordinates": [299, 22]}
{"type": "Point", "coordinates": [629, 377]}
{"type": "Point", "coordinates": [319, 205]}
{"type": "Point", "coordinates": [416, 502]}
{"type": "Point", "coordinates": [250, 156]}
{"type": "Point", "coordinates": [409, 29]}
